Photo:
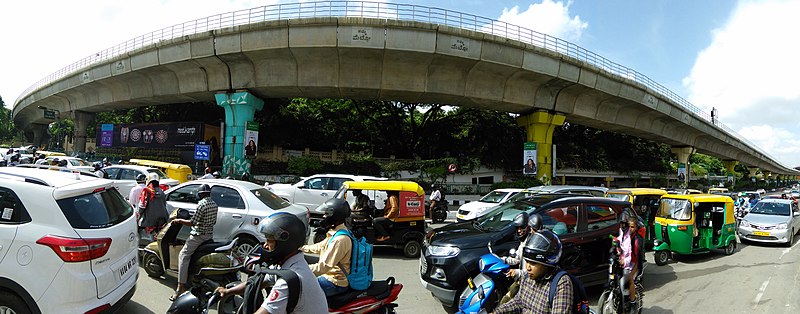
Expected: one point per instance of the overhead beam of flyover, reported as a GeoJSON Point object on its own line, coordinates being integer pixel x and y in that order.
{"type": "Point", "coordinates": [379, 51]}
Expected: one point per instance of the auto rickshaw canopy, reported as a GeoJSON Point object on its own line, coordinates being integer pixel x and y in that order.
{"type": "Point", "coordinates": [637, 191]}
{"type": "Point", "coordinates": [405, 186]}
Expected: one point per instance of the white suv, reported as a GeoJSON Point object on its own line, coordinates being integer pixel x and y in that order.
{"type": "Point", "coordinates": [315, 190]}
{"type": "Point", "coordinates": [67, 243]}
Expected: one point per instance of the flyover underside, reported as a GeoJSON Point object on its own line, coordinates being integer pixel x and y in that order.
{"type": "Point", "coordinates": [381, 59]}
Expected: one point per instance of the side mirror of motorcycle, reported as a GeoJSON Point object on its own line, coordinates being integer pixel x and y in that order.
{"type": "Point", "coordinates": [183, 213]}
{"type": "Point", "coordinates": [481, 293]}
{"type": "Point", "coordinates": [512, 252]}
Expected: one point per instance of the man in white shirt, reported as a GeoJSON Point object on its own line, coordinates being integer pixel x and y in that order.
{"type": "Point", "coordinates": [135, 195]}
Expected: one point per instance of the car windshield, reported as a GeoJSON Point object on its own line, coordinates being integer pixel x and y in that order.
{"type": "Point", "coordinates": [521, 196]}
{"type": "Point", "coordinates": [78, 162]}
{"type": "Point", "coordinates": [160, 174]}
{"type": "Point", "coordinates": [675, 209]}
{"type": "Point", "coordinates": [96, 210]}
{"type": "Point", "coordinates": [771, 208]}
{"type": "Point", "coordinates": [493, 197]}
{"type": "Point", "coordinates": [270, 199]}
{"type": "Point", "coordinates": [621, 197]}
{"type": "Point", "coordinates": [502, 215]}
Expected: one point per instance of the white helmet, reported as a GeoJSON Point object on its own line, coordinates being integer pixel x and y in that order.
{"type": "Point", "coordinates": [152, 176]}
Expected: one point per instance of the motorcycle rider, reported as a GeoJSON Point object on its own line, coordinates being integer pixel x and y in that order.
{"type": "Point", "coordinates": [135, 195]}
{"type": "Point", "coordinates": [436, 197]}
{"type": "Point", "coordinates": [630, 248]}
{"type": "Point", "coordinates": [542, 252]}
{"type": "Point", "coordinates": [525, 225]}
{"type": "Point", "coordinates": [334, 253]}
{"type": "Point", "coordinates": [285, 235]}
{"type": "Point", "coordinates": [202, 224]}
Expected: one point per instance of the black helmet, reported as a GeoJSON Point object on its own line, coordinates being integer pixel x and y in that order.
{"type": "Point", "coordinates": [62, 163]}
{"type": "Point", "coordinates": [216, 174]}
{"type": "Point", "coordinates": [535, 222]}
{"type": "Point", "coordinates": [185, 303]}
{"type": "Point", "coordinates": [203, 190]}
{"type": "Point", "coordinates": [287, 230]}
{"type": "Point", "coordinates": [336, 212]}
{"type": "Point", "coordinates": [543, 247]}
{"type": "Point", "coordinates": [141, 178]}
{"type": "Point", "coordinates": [245, 176]}
{"type": "Point", "coordinates": [521, 220]}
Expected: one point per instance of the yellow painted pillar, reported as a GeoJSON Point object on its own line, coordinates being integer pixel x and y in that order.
{"type": "Point", "coordinates": [729, 165]}
{"type": "Point", "coordinates": [683, 154]}
{"type": "Point", "coordinates": [608, 182]}
{"type": "Point", "coordinates": [753, 171]}
{"type": "Point", "coordinates": [539, 127]}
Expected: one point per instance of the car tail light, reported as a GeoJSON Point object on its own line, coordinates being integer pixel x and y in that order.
{"type": "Point", "coordinates": [76, 250]}
{"type": "Point", "coordinates": [163, 187]}
{"type": "Point", "coordinates": [99, 309]}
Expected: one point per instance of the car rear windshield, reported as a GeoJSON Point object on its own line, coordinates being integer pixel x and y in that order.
{"type": "Point", "coordinates": [270, 199]}
{"type": "Point", "coordinates": [99, 209]}
{"type": "Point", "coordinates": [160, 173]}
{"type": "Point", "coordinates": [493, 197]}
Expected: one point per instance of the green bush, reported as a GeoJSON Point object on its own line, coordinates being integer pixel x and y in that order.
{"type": "Point", "coordinates": [304, 166]}
{"type": "Point", "coordinates": [518, 184]}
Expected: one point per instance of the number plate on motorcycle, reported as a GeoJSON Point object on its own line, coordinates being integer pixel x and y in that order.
{"type": "Point", "coordinates": [761, 233]}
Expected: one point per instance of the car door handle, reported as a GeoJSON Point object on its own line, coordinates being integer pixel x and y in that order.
{"type": "Point", "coordinates": [323, 194]}
{"type": "Point", "coordinates": [236, 216]}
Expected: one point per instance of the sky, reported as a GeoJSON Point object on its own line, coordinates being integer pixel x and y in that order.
{"type": "Point", "coordinates": [739, 57]}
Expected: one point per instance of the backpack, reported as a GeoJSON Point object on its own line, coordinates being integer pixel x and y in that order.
{"type": "Point", "coordinates": [360, 275]}
{"type": "Point", "coordinates": [252, 297]}
{"type": "Point", "coordinates": [580, 302]}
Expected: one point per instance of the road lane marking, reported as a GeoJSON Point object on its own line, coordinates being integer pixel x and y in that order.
{"type": "Point", "coordinates": [761, 292]}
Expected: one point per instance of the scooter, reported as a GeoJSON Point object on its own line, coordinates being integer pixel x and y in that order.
{"type": "Point", "coordinates": [614, 298]}
{"type": "Point", "coordinates": [439, 212]}
{"type": "Point", "coordinates": [211, 265]}
{"type": "Point", "coordinates": [487, 288]}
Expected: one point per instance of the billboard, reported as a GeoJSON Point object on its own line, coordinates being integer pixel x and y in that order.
{"type": "Point", "coordinates": [151, 135]}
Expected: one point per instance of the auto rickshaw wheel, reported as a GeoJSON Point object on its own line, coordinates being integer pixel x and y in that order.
{"type": "Point", "coordinates": [662, 257]}
{"type": "Point", "coordinates": [412, 248]}
{"type": "Point", "coordinates": [730, 248]}
{"type": "Point", "coordinates": [152, 264]}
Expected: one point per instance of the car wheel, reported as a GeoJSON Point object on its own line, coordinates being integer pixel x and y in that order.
{"type": "Point", "coordinates": [662, 257]}
{"type": "Point", "coordinates": [412, 248]}
{"type": "Point", "coordinates": [730, 248]}
{"type": "Point", "coordinates": [244, 247]}
{"type": "Point", "coordinates": [152, 265]}
{"type": "Point", "coordinates": [11, 303]}
{"type": "Point", "coordinates": [791, 239]}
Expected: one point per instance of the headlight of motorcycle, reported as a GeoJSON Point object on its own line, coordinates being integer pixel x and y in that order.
{"type": "Point", "coordinates": [782, 226]}
{"type": "Point", "coordinates": [443, 251]}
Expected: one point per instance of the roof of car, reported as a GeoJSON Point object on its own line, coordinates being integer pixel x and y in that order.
{"type": "Point", "coordinates": [555, 188]}
{"type": "Point", "coordinates": [238, 183]}
{"type": "Point", "coordinates": [507, 190]}
{"type": "Point", "coordinates": [136, 167]}
{"type": "Point", "coordinates": [53, 177]}
{"type": "Point", "coordinates": [635, 191]}
{"type": "Point", "coordinates": [544, 198]}
{"type": "Point", "coordinates": [592, 199]}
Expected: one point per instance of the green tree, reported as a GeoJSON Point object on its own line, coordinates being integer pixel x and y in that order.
{"type": "Point", "coordinates": [7, 128]}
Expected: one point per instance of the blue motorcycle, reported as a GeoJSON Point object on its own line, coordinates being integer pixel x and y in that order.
{"type": "Point", "coordinates": [487, 288]}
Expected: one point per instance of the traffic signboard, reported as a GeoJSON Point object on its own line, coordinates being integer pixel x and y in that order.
{"type": "Point", "coordinates": [49, 114]}
{"type": "Point", "coordinates": [202, 152]}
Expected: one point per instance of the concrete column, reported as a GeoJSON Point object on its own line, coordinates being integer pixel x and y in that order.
{"type": "Point", "coordinates": [683, 154]}
{"type": "Point", "coordinates": [753, 171]}
{"type": "Point", "coordinates": [608, 181]}
{"type": "Point", "coordinates": [539, 127]}
{"type": "Point", "coordinates": [81, 120]}
{"type": "Point", "coordinates": [40, 135]}
{"type": "Point", "coordinates": [729, 165]}
{"type": "Point", "coordinates": [240, 107]}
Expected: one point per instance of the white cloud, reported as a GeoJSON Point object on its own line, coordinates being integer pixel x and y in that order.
{"type": "Point", "coordinates": [549, 17]}
{"type": "Point", "coordinates": [749, 73]}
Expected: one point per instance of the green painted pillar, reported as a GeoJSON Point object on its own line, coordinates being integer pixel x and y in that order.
{"type": "Point", "coordinates": [540, 126]}
{"type": "Point", "coordinates": [239, 108]}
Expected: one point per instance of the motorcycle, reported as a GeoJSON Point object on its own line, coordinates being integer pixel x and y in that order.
{"type": "Point", "coordinates": [439, 211]}
{"type": "Point", "coordinates": [487, 288]}
{"type": "Point", "coordinates": [614, 297]}
{"type": "Point", "coordinates": [212, 264]}
{"type": "Point", "coordinates": [739, 213]}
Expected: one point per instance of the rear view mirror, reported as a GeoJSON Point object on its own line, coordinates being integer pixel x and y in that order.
{"type": "Point", "coordinates": [183, 213]}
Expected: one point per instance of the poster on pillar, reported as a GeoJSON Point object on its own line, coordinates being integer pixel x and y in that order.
{"type": "Point", "coordinates": [682, 172]}
{"type": "Point", "coordinates": [731, 180]}
{"type": "Point", "coordinates": [251, 136]}
{"type": "Point", "coordinates": [529, 162]}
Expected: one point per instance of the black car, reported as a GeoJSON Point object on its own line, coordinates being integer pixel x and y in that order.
{"type": "Point", "coordinates": [451, 253]}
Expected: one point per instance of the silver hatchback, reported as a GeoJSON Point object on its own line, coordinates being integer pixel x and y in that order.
{"type": "Point", "coordinates": [771, 220]}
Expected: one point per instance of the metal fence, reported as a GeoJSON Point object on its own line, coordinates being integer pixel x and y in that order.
{"type": "Point", "coordinates": [391, 11]}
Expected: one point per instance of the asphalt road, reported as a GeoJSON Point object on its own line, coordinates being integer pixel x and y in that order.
{"type": "Point", "coordinates": [758, 278]}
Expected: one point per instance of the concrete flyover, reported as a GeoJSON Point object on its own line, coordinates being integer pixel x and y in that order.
{"type": "Point", "coordinates": [390, 58]}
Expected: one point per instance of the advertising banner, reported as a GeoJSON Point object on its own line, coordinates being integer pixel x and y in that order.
{"type": "Point", "coordinates": [251, 139]}
{"type": "Point", "coordinates": [682, 172]}
{"type": "Point", "coordinates": [152, 135]}
{"type": "Point", "coordinates": [529, 162]}
{"type": "Point", "coordinates": [411, 205]}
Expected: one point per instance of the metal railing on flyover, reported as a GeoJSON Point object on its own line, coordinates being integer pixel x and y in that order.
{"type": "Point", "coordinates": [382, 10]}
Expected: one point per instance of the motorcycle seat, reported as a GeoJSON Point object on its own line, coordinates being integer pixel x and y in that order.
{"type": "Point", "coordinates": [377, 289]}
{"type": "Point", "coordinates": [210, 246]}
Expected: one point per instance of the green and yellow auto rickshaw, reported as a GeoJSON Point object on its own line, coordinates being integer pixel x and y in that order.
{"type": "Point", "coordinates": [695, 223]}
{"type": "Point", "coordinates": [645, 201]}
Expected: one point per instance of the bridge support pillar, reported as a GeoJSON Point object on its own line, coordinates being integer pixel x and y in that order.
{"type": "Point", "coordinates": [539, 127]}
{"type": "Point", "coordinates": [81, 120]}
{"type": "Point", "coordinates": [683, 153]}
{"type": "Point", "coordinates": [39, 132]}
{"type": "Point", "coordinates": [753, 172]}
{"type": "Point", "coordinates": [729, 165]}
{"type": "Point", "coordinates": [240, 107]}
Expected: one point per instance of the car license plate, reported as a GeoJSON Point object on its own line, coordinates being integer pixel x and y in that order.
{"type": "Point", "coordinates": [126, 268]}
{"type": "Point", "coordinates": [761, 233]}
